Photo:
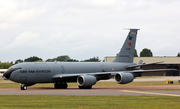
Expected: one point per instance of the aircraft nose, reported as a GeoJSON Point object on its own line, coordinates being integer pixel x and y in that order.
{"type": "Point", "coordinates": [7, 74]}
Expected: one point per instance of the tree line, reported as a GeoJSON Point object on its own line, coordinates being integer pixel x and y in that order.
{"type": "Point", "coordinates": [65, 58]}
{"type": "Point", "coordinates": [144, 53]}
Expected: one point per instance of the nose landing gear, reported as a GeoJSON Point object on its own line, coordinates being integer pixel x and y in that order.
{"type": "Point", "coordinates": [23, 87]}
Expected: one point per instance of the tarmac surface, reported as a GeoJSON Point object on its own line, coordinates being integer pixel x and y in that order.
{"type": "Point", "coordinates": [150, 90]}
{"type": "Point", "coordinates": [98, 90]}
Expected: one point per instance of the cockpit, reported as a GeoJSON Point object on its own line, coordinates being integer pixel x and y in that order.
{"type": "Point", "coordinates": [7, 74]}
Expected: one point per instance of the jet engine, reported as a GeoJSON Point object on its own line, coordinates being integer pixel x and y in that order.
{"type": "Point", "coordinates": [123, 78]}
{"type": "Point", "coordinates": [86, 80]}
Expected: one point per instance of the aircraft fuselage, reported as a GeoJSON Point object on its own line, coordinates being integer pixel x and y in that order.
{"type": "Point", "coordinates": [42, 72]}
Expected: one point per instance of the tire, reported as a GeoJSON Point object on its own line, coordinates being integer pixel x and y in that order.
{"type": "Point", "coordinates": [56, 86]}
{"type": "Point", "coordinates": [65, 86]}
{"type": "Point", "coordinates": [80, 87]}
{"type": "Point", "coordinates": [23, 87]}
{"type": "Point", "coordinates": [60, 85]}
{"type": "Point", "coordinates": [87, 87]}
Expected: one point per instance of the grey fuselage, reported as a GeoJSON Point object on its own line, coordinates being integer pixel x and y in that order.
{"type": "Point", "coordinates": [42, 72]}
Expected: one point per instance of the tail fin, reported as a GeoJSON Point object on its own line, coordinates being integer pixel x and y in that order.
{"type": "Point", "coordinates": [126, 53]}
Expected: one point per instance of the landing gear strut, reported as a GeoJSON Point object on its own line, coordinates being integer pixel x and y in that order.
{"type": "Point", "coordinates": [60, 85]}
{"type": "Point", "coordinates": [23, 87]}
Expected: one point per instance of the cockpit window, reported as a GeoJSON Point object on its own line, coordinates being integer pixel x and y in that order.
{"type": "Point", "coordinates": [17, 68]}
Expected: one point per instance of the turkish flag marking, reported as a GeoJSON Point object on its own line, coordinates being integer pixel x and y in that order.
{"type": "Point", "coordinates": [129, 44]}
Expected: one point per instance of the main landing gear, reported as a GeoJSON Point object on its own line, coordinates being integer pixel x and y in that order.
{"type": "Point", "coordinates": [85, 87]}
{"type": "Point", "coordinates": [23, 87]}
{"type": "Point", "coordinates": [60, 85]}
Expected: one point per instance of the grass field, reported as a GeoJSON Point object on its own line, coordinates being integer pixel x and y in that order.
{"type": "Point", "coordinates": [87, 102]}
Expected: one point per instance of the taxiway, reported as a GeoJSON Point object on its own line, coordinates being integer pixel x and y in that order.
{"type": "Point", "coordinates": [98, 90]}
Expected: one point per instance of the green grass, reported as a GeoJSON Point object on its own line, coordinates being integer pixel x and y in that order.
{"type": "Point", "coordinates": [87, 102]}
{"type": "Point", "coordinates": [135, 83]}
{"type": "Point", "coordinates": [16, 85]}
{"type": "Point", "coordinates": [150, 77]}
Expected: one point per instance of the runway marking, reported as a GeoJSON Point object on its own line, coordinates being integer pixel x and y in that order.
{"type": "Point", "coordinates": [152, 93]}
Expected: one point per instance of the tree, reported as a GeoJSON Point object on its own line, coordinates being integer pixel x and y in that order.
{"type": "Point", "coordinates": [64, 58]}
{"type": "Point", "coordinates": [11, 63]}
{"type": "Point", "coordinates": [146, 53]}
{"type": "Point", "coordinates": [18, 61]}
{"type": "Point", "coordinates": [94, 59]}
{"type": "Point", "coordinates": [5, 65]}
{"type": "Point", "coordinates": [32, 59]}
{"type": "Point", "coordinates": [117, 54]}
{"type": "Point", "coordinates": [178, 55]}
{"type": "Point", "coordinates": [39, 61]}
{"type": "Point", "coordinates": [135, 53]}
{"type": "Point", "coordinates": [72, 60]}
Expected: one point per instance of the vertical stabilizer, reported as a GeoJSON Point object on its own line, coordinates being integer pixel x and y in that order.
{"type": "Point", "coordinates": [126, 53]}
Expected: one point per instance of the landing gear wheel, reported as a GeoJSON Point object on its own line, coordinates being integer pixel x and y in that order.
{"type": "Point", "coordinates": [60, 85]}
{"type": "Point", "coordinates": [23, 87]}
{"type": "Point", "coordinates": [65, 86]}
{"type": "Point", "coordinates": [85, 87]}
{"type": "Point", "coordinates": [80, 87]}
{"type": "Point", "coordinates": [89, 87]}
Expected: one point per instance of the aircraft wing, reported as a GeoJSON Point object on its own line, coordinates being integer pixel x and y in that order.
{"type": "Point", "coordinates": [64, 76]}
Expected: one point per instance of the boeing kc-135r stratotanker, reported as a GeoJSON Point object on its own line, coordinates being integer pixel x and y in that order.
{"type": "Point", "coordinates": [85, 74]}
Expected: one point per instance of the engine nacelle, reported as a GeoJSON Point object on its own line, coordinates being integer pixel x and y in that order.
{"type": "Point", "coordinates": [86, 80]}
{"type": "Point", "coordinates": [123, 78]}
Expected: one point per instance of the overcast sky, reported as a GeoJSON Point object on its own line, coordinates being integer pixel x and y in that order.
{"type": "Point", "coordinates": [83, 29]}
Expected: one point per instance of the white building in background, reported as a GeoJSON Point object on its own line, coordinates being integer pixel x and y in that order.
{"type": "Point", "coordinates": [1, 72]}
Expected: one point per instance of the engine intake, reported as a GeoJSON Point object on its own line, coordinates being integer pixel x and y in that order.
{"type": "Point", "coordinates": [86, 80]}
{"type": "Point", "coordinates": [123, 78]}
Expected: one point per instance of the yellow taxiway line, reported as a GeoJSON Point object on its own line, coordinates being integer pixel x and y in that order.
{"type": "Point", "coordinates": [152, 93]}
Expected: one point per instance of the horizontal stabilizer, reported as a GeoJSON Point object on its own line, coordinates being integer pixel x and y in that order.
{"type": "Point", "coordinates": [138, 65]}
{"type": "Point", "coordinates": [150, 71]}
